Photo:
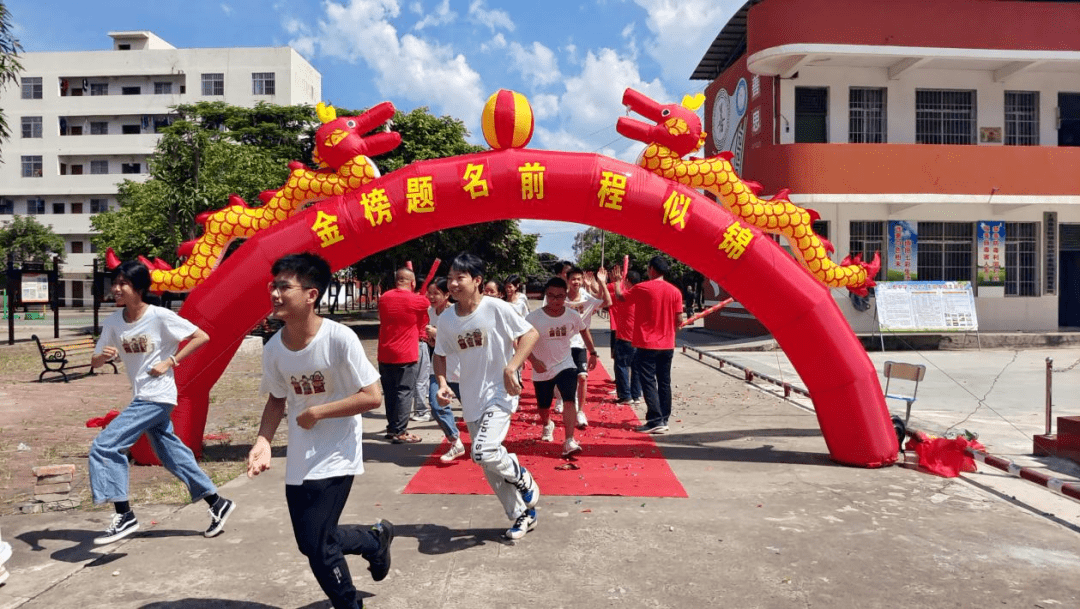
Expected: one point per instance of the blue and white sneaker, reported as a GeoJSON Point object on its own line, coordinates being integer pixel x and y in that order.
{"type": "Point", "coordinates": [526, 485]}
{"type": "Point", "coordinates": [524, 523]}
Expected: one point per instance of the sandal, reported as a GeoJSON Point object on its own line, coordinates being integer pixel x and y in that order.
{"type": "Point", "coordinates": [405, 438]}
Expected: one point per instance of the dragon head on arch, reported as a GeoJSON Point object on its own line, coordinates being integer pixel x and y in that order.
{"type": "Point", "coordinates": [677, 126]}
{"type": "Point", "coordinates": [340, 139]}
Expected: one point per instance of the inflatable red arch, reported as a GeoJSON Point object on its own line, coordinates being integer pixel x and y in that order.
{"type": "Point", "coordinates": [591, 189]}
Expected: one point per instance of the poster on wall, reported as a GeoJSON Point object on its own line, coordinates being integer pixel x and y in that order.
{"type": "Point", "coordinates": [926, 306]}
{"type": "Point", "coordinates": [991, 260]}
{"type": "Point", "coordinates": [35, 288]}
{"type": "Point", "coordinates": [729, 122]}
{"type": "Point", "coordinates": [903, 258]}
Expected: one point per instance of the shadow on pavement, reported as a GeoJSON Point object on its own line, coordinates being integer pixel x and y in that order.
{"type": "Point", "coordinates": [437, 539]}
{"type": "Point", "coordinates": [84, 550]}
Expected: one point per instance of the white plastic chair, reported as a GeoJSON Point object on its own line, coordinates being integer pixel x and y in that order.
{"type": "Point", "coordinates": [913, 374]}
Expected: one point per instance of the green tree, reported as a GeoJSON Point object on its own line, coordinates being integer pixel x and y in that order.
{"type": "Point", "coordinates": [616, 246]}
{"type": "Point", "coordinates": [29, 241]}
{"type": "Point", "coordinates": [9, 63]}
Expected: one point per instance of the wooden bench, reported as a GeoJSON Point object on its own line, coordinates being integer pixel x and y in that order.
{"type": "Point", "coordinates": [58, 356]}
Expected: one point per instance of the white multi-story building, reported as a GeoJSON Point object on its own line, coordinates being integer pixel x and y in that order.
{"type": "Point", "coordinates": [84, 121]}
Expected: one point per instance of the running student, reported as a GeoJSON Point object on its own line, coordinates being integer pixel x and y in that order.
{"type": "Point", "coordinates": [439, 297]}
{"type": "Point", "coordinates": [585, 304]}
{"type": "Point", "coordinates": [318, 369]}
{"type": "Point", "coordinates": [553, 366]}
{"type": "Point", "coordinates": [146, 337]}
{"type": "Point", "coordinates": [491, 342]}
{"type": "Point", "coordinates": [515, 295]}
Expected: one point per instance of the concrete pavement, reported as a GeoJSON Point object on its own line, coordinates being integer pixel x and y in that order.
{"type": "Point", "coordinates": [769, 522]}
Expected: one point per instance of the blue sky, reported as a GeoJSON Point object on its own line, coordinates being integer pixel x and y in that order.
{"type": "Point", "coordinates": [572, 59]}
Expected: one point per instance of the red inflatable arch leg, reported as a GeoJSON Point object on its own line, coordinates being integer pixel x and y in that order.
{"type": "Point", "coordinates": [586, 188]}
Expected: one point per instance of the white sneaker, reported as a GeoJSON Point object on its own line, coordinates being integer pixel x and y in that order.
{"type": "Point", "coordinates": [524, 523]}
{"type": "Point", "coordinates": [456, 450]}
{"type": "Point", "coordinates": [421, 418]}
{"type": "Point", "coordinates": [3, 574]}
{"type": "Point", "coordinates": [548, 435]}
{"type": "Point", "coordinates": [582, 422]}
{"type": "Point", "coordinates": [570, 447]}
{"type": "Point", "coordinates": [558, 406]}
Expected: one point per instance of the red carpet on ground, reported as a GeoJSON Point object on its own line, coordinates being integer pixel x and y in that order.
{"type": "Point", "coordinates": [615, 459]}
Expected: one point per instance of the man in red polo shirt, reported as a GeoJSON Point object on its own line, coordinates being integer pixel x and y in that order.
{"type": "Point", "coordinates": [658, 313]}
{"type": "Point", "coordinates": [400, 313]}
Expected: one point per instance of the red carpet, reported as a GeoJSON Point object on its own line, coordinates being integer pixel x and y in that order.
{"type": "Point", "coordinates": [615, 460]}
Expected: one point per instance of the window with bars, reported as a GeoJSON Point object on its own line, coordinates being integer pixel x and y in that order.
{"type": "Point", "coordinates": [7, 207]}
{"type": "Point", "coordinates": [99, 206]}
{"type": "Point", "coordinates": [1021, 118]}
{"type": "Point", "coordinates": [944, 116]}
{"type": "Point", "coordinates": [31, 127]}
{"type": "Point", "coordinates": [31, 166]}
{"type": "Point", "coordinates": [213, 84]}
{"type": "Point", "coordinates": [946, 251]}
{"type": "Point", "coordinates": [867, 237]}
{"type": "Point", "coordinates": [130, 90]}
{"type": "Point", "coordinates": [99, 128]}
{"type": "Point", "coordinates": [31, 87]}
{"type": "Point", "coordinates": [262, 83]}
{"type": "Point", "coordinates": [57, 208]}
{"type": "Point", "coordinates": [99, 167]}
{"type": "Point", "coordinates": [1022, 259]}
{"type": "Point", "coordinates": [35, 206]}
{"type": "Point", "coordinates": [811, 115]}
{"type": "Point", "coordinates": [99, 88]}
{"type": "Point", "coordinates": [162, 88]}
{"type": "Point", "coordinates": [130, 167]}
{"type": "Point", "coordinates": [866, 115]}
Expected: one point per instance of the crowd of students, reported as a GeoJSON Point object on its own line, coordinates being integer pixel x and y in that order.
{"type": "Point", "coordinates": [466, 337]}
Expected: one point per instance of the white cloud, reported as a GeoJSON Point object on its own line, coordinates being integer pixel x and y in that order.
{"type": "Point", "coordinates": [683, 31]}
{"type": "Point", "coordinates": [440, 16]}
{"type": "Point", "coordinates": [593, 98]}
{"type": "Point", "coordinates": [225, 8]}
{"type": "Point", "coordinates": [497, 42]}
{"type": "Point", "coordinates": [491, 18]}
{"type": "Point", "coordinates": [537, 65]}
{"type": "Point", "coordinates": [406, 67]}
{"type": "Point", "coordinates": [544, 106]}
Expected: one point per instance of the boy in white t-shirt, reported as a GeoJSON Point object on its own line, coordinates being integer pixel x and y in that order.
{"type": "Point", "coordinates": [317, 369]}
{"type": "Point", "coordinates": [585, 304]}
{"type": "Point", "coordinates": [553, 366]}
{"type": "Point", "coordinates": [147, 338]}
{"type": "Point", "coordinates": [491, 341]}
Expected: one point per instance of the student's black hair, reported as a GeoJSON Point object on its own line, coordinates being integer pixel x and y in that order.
{"type": "Point", "coordinates": [659, 264]}
{"type": "Point", "coordinates": [514, 279]}
{"type": "Point", "coordinates": [311, 270]}
{"type": "Point", "coordinates": [633, 277]}
{"type": "Point", "coordinates": [554, 282]}
{"type": "Point", "coordinates": [575, 270]}
{"type": "Point", "coordinates": [440, 284]}
{"type": "Point", "coordinates": [136, 274]}
{"type": "Point", "coordinates": [470, 264]}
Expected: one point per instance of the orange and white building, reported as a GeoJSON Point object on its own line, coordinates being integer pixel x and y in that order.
{"type": "Point", "coordinates": [945, 117]}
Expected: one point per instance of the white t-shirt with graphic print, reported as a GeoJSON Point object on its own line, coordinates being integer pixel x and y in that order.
{"type": "Point", "coordinates": [483, 341]}
{"type": "Point", "coordinates": [332, 367]}
{"type": "Point", "coordinates": [553, 348]}
{"type": "Point", "coordinates": [142, 344]}
{"type": "Point", "coordinates": [585, 305]}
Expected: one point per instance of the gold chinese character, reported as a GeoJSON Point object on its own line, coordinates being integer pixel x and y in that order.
{"type": "Point", "coordinates": [612, 190]}
{"type": "Point", "coordinates": [327, 229]}
{"type": "Point", "coordinates": [376, 207]}
{"type": "Point", "coordinates": [476, 185]}
{"type": "Point", "coordinates": [736, 238]}
{"type": "Point", "coordinates": [419, 195]}
{"type": "Point", "coordinates": [532, 180]}
{"type": "Point", "coordinates": [675, 209]}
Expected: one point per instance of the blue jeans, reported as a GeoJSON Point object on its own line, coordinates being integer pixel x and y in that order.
{"type": "Point", "coordinates": [108, 453]}
{"type": "Point", "coordinates": [444, 415]}
{"type": "Point", "coordinates": [420, 407]}
{"type": "Point", "coordinates": [654, 368]}
{"type": "Point", "coordinates": [627, 383]}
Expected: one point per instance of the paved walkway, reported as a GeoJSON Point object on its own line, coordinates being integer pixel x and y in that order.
{"type": "Point", "coordinates": [769, 522]}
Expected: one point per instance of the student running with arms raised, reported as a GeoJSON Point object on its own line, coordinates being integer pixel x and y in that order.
{"type": "Point", "coordinates": [491, 341]}
{"type": "Point", "coordinates": [318, 368]}
{"type": "Point", "coordinates": [553, 365]}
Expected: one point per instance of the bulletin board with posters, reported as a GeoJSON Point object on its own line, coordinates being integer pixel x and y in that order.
{"type": "Point", "coordinates": [926, 306]}
{"type": "Point", "coordinates": [35, 288]}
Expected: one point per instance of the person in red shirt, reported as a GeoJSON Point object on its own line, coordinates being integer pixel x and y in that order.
{"type": "Point", "coordinates": [401, 311]}
{"type": "Point", "coordinates": [621, 315]}
{"type": "Point", "coordinates": [658, 313]}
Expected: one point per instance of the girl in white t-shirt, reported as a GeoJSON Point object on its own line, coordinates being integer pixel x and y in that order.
{"type": "Point", "coordinates": [147, 338]}
{"type": "Point", "coordinates": [515, 295]}
{"type": "Point", "coordinates": [439, 297]}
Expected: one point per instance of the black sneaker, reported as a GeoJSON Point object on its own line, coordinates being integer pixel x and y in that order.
{"type": "Point", "coordinates": [380, 562]}
{"type": "Point", "coordinates": [122, 525]}
{"type": "Point", "coordinates": [218, 515]}
{"type": "Point", "coordinates": [653, 428]}
{"type": "Point", "coordinates": [527, 487]}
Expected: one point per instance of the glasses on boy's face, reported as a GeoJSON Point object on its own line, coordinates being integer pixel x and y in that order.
{"type": "Point", "coordinates": [282, 286]}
